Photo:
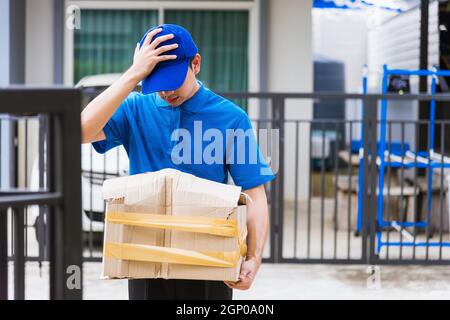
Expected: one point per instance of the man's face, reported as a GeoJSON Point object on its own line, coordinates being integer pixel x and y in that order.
{"type": "Point", "coordinates": [186, 91]}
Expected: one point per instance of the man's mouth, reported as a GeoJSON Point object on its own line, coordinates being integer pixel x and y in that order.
{"type": "Point", "coordinates": [172, 100]}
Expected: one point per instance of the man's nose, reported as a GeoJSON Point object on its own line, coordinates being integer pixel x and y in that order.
{"type": "Point", "coordinates": [167, 93]}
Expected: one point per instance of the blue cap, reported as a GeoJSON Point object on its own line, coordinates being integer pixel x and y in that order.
{"type": "Point", "coordinates": [170, 75]}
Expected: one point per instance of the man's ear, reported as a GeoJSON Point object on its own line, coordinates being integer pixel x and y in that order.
{"type": "Point", "coordinates": [196, 64]}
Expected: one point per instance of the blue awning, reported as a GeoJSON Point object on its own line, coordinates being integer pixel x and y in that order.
{"type": "Point", "coordinates": [388, 5]}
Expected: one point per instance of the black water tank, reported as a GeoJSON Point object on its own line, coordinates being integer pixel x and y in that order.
{"type": "Point", "coordinates": [329, 75]}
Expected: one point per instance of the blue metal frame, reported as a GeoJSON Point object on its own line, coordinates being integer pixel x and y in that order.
{"type": "Point", "coordinates": [361, 159]}
{"type": "Point", "coordinates": [430, 165]}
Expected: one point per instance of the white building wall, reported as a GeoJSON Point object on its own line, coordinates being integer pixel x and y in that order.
{"type": "Point", "coordinates": [342, 35]}
{"type": "Point", "coordinates": [396, 42]}
{"type": "Point", "coordinates": [39, 42]}
{"type": "Point", "coordinates": [291, 70]}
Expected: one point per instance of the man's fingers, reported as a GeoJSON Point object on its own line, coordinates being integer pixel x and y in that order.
{"type": "Point", "coordinates": [158, 40]}
{"type": "Point", "coordinates": [240, 285]}
{"type": "Point", "coordinates": [166, 48]}
{"type": "Point", "coordinates": [245, 272]}
{"type": "Point", "coordinates": [150, 35]}
{"type": "Point", "coordinates": [229, 284]}
{"type": "Point", "coordinates": [166, 57]}
{"type": "Point", "coordinates": [232, 284]}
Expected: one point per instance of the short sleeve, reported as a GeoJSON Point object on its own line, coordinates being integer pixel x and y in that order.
{"type": "Point", "coordinates": [116, 129]}
{"type": "Point", "coordinates": [245, 161]}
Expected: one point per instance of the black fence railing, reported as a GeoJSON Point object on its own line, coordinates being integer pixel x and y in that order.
{"type": "Point", "coordinates": [40, 143]}
{"type": "Point", "coordinates": [318, 212]}
{"type": "Point", "coordinates": [322, 209]}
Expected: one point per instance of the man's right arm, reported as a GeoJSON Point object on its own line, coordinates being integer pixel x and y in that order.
{"type": "Point", "coordinates": [98, 112]}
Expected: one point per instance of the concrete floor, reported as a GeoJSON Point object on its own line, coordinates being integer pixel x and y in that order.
{"type": "Point", "coordinates": [285, 281]}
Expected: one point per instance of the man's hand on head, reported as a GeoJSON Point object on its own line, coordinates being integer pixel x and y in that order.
{"type": "Point", "coordinates": [147, 56]}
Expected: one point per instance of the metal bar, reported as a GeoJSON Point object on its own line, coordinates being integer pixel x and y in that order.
{"type": "Point", "coordinates": [52, 253]}
{"type": "Point", "coordinates": [381, 153]}
{"type": "Point", "coordinates": [432, 112]}
{"type": "Point", "coordinates": [3, 255]}
{"type": "Point", "coordinates": [40, 223]}
{"type": "Point", "coordinates": [277, 195]}
{"type": "Point", "coordinates": [54, 186]}
{"type": "Point", "coordinates": [91, 200]}
{"type": "Point", "coordinates": [389, 176]}
{"type": "Point", "coordinates": [26, 185]}
{"type": "Point", "coordinates": [416, 202]}
{"type": "Point", "coordinates": [280, 177]}
{"type": "Point", "coordinates": [369, 181]}
{"type": "Point", "coordinates": [44, 100]}
{"type": "Point", "coordinates": [423, 63]}
{"type": "Point", "coordinates": [272, 196]}
{"type": "Point", "coordinates": [322, 192]}
{"type": "Point", "coordinates": [296, 188]}
{"type": "Point", "coordinates": [71, 228]}
{"type": "Point", "coordinates": [423, 111]}
{"type": "Point", "coordinates": [441, 193]}
{"type": "Point", "coordinates": [364, 181]}
{"type": "Point", "coordinates": [336, 176]}
{"type": "Point", "coordinates": [310, 182]}
{"type": "Point", "coordinates": [423, 72]}
{"type": "Point", "coordinates": [333, 121]}
{"type": "Point", "coordinates": [403, 262]}
{"type": "Point", "coordinates": [429, 176]}
{"type": "Point", "coordinates": [349, 194]}
{"type": "Point", "coordinates": [402, 176]}
{"type": "Point", "coordinates": [19, 254]}
{"type": "Point", "coordinates": [329, 95]}
{"type": "Point", "coordinates": [33, 198]}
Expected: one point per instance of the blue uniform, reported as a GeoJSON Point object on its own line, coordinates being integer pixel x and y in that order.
{"type": "Point", "coordinates": [197, 137]}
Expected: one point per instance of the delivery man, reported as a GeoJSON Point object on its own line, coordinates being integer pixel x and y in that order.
{"type": "Point", "coordinates": [172, 108]}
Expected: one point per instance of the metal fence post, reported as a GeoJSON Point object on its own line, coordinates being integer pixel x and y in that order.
{"type": "Point", "coordinates": [72, 231]}
{"type": "Point", "coordinates": [3, 254]}
{"type": "Point", "coordinates": [19, 254]}
{"type": "Point", "coordinates": [369, 179]}
{"type": "Point", "coordinates": [65, 220]}
{"type": "Point", "coordinates": [277, 190]}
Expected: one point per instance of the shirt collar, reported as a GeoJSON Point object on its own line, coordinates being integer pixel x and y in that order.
{"type": "Point", "coordinates": [193, 105]}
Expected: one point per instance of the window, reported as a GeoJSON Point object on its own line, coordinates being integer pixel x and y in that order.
{"type": "Point", "coordinates": [222, 40]}
{"type": "Point", "coordinates": [106, 40]}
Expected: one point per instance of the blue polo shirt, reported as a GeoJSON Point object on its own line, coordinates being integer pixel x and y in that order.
{"type": "Point", "coordinates": [207, 136]}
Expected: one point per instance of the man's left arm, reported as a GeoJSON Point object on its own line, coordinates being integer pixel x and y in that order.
{"type": "Point", "coordinates": [257, 225]}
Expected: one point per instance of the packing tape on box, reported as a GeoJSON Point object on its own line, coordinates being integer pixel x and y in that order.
{"type": "Point", "coordinates": [208, 225]}
{"type": "Point", "coordinates": [148, 253]}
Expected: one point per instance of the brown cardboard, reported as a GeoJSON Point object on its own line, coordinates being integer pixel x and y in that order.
{"type": "Point", "coordinates": [171, 192]}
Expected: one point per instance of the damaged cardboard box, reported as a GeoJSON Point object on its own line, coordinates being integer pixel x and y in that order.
{"type": "Point", "coordinates": [173, 225]}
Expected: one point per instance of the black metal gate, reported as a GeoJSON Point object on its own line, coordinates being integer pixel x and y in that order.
{"type": "Point", "coordinates": [320, 211]}
{"type": "Point", "coordinates": [53, 116]}
{"type": "Point", "coordinates": [315, 212]}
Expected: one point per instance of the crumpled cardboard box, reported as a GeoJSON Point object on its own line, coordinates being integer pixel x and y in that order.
{"type": "Point", "coordinates": [179, 195]}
